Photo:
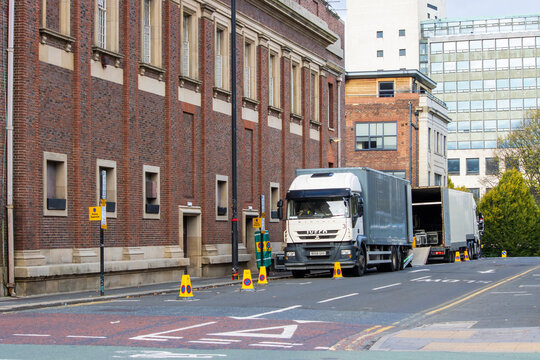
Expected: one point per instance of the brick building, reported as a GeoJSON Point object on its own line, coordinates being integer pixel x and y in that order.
{"type": "Point", "coordinates": [141, 89]}
{"type": "Point", "coordinates": [395, 125]}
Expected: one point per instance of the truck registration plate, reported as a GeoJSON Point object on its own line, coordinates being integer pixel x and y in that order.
{"type": "Point", "coordinates": [317, 253]}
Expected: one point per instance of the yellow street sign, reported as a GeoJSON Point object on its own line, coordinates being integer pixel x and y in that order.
{"type": "Point", "coordinates": [257, 223]}
{"type": "Point", "coordinates": [94, 213]}
{"type": "Point", "coordinates": [103, 202]}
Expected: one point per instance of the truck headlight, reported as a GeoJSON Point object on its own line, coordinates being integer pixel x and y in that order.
{"type": "Point", "coordinates": [345, 252]}
{"type": "Point", "coordinates": [290, 253]}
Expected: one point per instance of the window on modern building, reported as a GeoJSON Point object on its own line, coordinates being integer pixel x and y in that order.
{"type": "Point", "coordinates": [502, 84]}
{"type": "Point", "coordinates": [490, 85]}
{"type": "Point", "coordinates": [515, 43]}
{"type": "Point", "coordinates": [273, 80]}
{"type": "Point", "coordinates": [401, 32]}
{"type": "Point", "coordinates": [490, 144]}
{"type": "Point", "coordinates": [189, 48]}
{"type": "Point", "coordinates": [379, 34]}
{"type": "Point", "coordinates": [295, 88]}
{"type": "Point", "coordinates": [438, 180]}
{"type": "Point", "coordinates": [331, 115]}
{"type": "Point", "coordinates": [463, 66]}
{"type": "Point", "coordinates": [274, 198]}
{"type": "Point", "coordinates": [402, 52]}
{"type": "Point", "coordinates": [475, 192]}
{"type": "Point", "coordinates": [477, 144]}
{"type": "Point", "coordinates": [476, 85]}
{"type": "Point", "coordinates": [110, 184]}
{"type": "Point", "coordinates": [151, 32]}
{"type": "Point", "coordinates": [451, 105]}
{"type": "Point", "coordinates": [450, 66]}
{"type": "Point", "coordinates": [436, 48]}
{"type": "Point", "coordinates": [463, 86]}
{"type": "Point", "coordinates": [529, 63]}
{"type": "Point", "coordinates": [452, 127]}
{"type": "Point", "coordinates": [492, 166]}
{"type": "Point", "coordinates": [529, 83]}
{"type": "Point", "coordinates": [449, 47]}
{"type": "Point", "coordinates": [503, 104]}
{"type": "Point", "coordinates": [376, 136]}
{"type": "Point", "coordinates": [106, 25]}
{"type": "Point", "coordinates": [473, 166]}
{"type": "Point", "coordinates": [221, 62]}
{"type": "Point", "coordinates": [475, 45]}
{"type": "Point", "coordinates": [490, 125]}
{"type": "Point", "coordinates": [502, 64]}
{"type": "Point", "coordinates": [501, 44]}
{"type": "Point", "coordinates": [516, 63]}
{"type": "Point", "coordinates": [511, 163]}
{"type": "Point", "coordinates": [397, 173]}
{"type": "Point", "coordinates": [462, 46]}
{"type": "Point", "coordinates": [56, 16]}
{"type": "Point", "coordinates": [476, 65]}
{"type": "Point", "coordinates": [488, 44]}
{"type": "Point", "coordinates": [380, 53]}
{"type": "Point", "coordinates": [463, 106]}
{"type": "Point", "coordinates": [436, 67]}
{"type": "Point", "coordinates": [151, 192]}
{"type": "Point", "coordinates": [386, 89]}
{"type": "Point", "coordinates": [453, 167]}
{"type": "Point", "coordinates": [449, 86]}
{"type": "Point", "coordinates": [489, 64]}
{"type": "Point", "coordinates": [490, 105]}
{"type": "Point", "coordinates": [314, 96]}
{"type": "Point", "coordinates": [54, 184]}
{"type": "Point", "coordinates": [249, 70]}
{"type": "Point", "coordinates": [428, 15]}
{"type": "Point", "coordinates": [222, 197]}
{"type": "Point", "coordinates": [529, 103]}
{"type": "Point", "coordinates": [528, 42]}
{"type": "Point", "coordinates": [452, 145]}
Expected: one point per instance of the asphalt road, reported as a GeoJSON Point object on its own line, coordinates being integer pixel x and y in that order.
{"type": "Point", "coordinates": [476, 308]}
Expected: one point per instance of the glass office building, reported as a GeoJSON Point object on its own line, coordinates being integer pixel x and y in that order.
{"type": "Point", "coordinates": [488, 73]}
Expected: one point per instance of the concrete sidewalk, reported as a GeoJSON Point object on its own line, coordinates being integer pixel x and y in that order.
{"type": "Point", "coordinates": [39, 301]}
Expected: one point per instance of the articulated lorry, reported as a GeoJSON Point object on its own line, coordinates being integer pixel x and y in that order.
{"type": "Point", "coordinates": [445, 221]}
{"type": "Point", "coordinates": [358, 217]}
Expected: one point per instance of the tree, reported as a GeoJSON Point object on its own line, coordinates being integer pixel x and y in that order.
{"type": "Point", "coordinates": [511, 218]}
{"type": "Point", "coordinates": [522, 148]}
{"type": "Point", "coordinates": [451, 185]}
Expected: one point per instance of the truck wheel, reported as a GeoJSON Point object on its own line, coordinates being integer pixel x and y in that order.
{"type": "Point", "coordinates": [394, 265]}
{"type": "Point", "coordinates": [298, 273]}
{"type": "Point", "coordinates": [360, 268]}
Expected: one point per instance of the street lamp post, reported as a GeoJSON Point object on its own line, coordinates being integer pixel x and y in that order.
{"type": "Point", "coordinates": [233, 131]}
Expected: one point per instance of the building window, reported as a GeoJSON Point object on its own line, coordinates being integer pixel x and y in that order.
{"type": "Point", "coordinates": [379, 34]}
{"type": "Point", "coordinates": [274, 198]}
{"type": "Point", "coordinates": [386, 89]}
{"type": "Point", "coordinates": [221, 58]}
{"type": "Point", "coordinates": [402, 52]}
{"type": "Point", "coordinates": [249, 70]}
{"type": "Point", "coordinates": [453, 167]}
{"type": "Point", "coordinates": [376, 136]}
{"type": "Point", "coordinates": [492, 166]}
{"type": "Point", "coordinates": [273, 81]}
{"type": "Point", "coordinates": [151, 32]}
{"type": "Point", "coordinates": [110, 184]}
{"type": "Point", "coordinates": [401, 32]}
{"type": "Point", "coordinates": [473, 166]}
{"type": "Point", "coordinates": [222, 197]}
{"type": "Point", "coordinates": [151, 192]}
{"type": "Point", "coordinates": [438, 180]}
{"type": "Point", "coordinates": [106, 30]}
{"type": "Point", "coordinates": [380, 53]}
{"type": "Point", "coordinates": [54, 184]}
{"type": "Point", "coordinates": [314, 95]}
{"type": "Point", "coordinates": [189, 39]}
{"type": "Point", "coordinates": [331, 114]}
{"type": "Point", "coordinates": [295, 88]}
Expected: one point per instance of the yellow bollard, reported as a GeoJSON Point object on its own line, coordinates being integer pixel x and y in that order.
{"type": "Point", "coordinates": [503, 254]}
{"type": "Point", "coordinates": [247, 282]}
{"type": "Point", "coordinates": [466, 255]}
{"type": "Point", "coordinates": [262, 276]}
{"type": "Point", "coordinates": [185, 288]}
{"type": "Point", "coordinates": [458, 257]}
{"type": "Point", "coordinates": [337, 270]}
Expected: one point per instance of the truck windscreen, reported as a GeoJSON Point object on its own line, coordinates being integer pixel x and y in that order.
{"type": "Point", "coordinates": [317, 208]}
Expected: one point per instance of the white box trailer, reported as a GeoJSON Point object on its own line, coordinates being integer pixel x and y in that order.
{"type": "Point", "coordinates": [359, 217]}
{"type": "Point", "coordinates": [445, 220]}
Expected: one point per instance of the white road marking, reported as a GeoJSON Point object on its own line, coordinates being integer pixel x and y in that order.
{"type": "Point", "coordinates": [336, 298]}
{"type": "Point", "coordinates": [126, 300]}
{"type": "Point", "coordinates": [279, 343]}
{"type": "Point", "coordinates": [160, 335]}
{"type": "Point", "coordinates": [266, 313]}
{"type": "Point", "coordinates": [508, 292]}
{"type": "Point", "coordinates": [525, 286]}
{"type": "Point", "coordinates": [322, 348]}
{"type": "Point", "coordinates": [387, 286]}
{"type": "Point", "coordinates": [227, 340]}
{"type": "Point", "coordinates": [419, 270]}
{"type": "Point", "coordinates": [528, 294]}
{"type": "Point", "coordinates": [32, 335]}
{"type": "Point", "coordinates": [490, 271]}
{"type": "Point", "coordinates": [270, 345]}
{"type": "Point", "coordinates": [210, 342]}
{"type": "Point", "coordinates": [287, 332]}
{"type": "Point", "coordinates": [308, 321]}
{"type": "Point", "coordinates": [304, 283]}
{"type": "Point", "coordinates": [86, 337]}
{"type": "Point", "coordinates": [115, 322]}
{"type": "Point", "coordinates": [420, 278]}
{"type": "Point", "coordinates": [160, 354]}
{"type": "Point", "coordinates": [180, 300]}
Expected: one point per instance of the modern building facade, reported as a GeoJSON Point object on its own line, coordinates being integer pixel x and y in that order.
{"type": "Point", "coordinates": [488, 73]}
{"type": "Point", "coordinates": [140, 91]}
{"type": "Point", "coordinates": [385, 35]}
{"type": "Point", "coordinates": [395, 125]}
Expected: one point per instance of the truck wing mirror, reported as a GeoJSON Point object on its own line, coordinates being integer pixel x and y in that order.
{"type": "Point", "coordinates": [280, 209]}
{"type": "Point", "coordinates": [360, 207]}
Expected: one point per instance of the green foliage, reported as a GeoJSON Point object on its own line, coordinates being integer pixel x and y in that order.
{"type": "Point", "coordinates": [452, 186]}
{"type": "Point", "coordinates": [511, 217]}
{"type": "Point", "coordinates": [523, 147]}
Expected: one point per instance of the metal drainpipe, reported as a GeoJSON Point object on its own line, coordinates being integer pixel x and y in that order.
{"type": "Point", "coordinates": [410, 143]}
{"type": "Point", "coordinates": [339, 121]}
{"type": "Point", "coordinates": [9, 129]}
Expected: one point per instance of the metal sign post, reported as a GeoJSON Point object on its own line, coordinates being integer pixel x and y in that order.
{"type": "Point", "coordinates": [103, 226]}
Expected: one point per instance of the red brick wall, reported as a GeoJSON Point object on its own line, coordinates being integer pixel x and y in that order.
{"type": "Point", "coordinates": [374, 109]}
{"type": "Point", "coordinates": [87, 118]}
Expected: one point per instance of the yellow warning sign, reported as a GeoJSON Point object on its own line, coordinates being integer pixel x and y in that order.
{"type": "Point", "coordinates": [94, 213]}
{"type": "Point", "coordinates": [257, 223]}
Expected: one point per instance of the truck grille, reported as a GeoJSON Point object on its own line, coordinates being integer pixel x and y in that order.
{"type": "Point", "coordinates": [317, 235]}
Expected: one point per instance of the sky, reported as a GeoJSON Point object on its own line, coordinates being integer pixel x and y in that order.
{"type": "Point", "coordinates": [471, 8]}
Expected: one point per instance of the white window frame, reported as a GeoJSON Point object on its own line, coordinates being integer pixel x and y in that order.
{"type": "Point", "coordinates": [189, 44]}
{"type": "Point", "coordinates": [154, 172]}
{"type": "Point", "coordinates": [151, 32]}
{"type": "Point", "coordinates": [222, 196]}
{"type": "Point", "coordinates": [110, 167]}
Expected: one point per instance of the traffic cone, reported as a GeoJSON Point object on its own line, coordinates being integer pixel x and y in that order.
{"type": "Point", "coordinates": [337, 271]}
{"type": "Point", "coordinates": [262, 276]}
{"type": "Point", "coordinates": [466, 255]}
{"type": "Point", "coordinates": [185, 288]}
{"type": "Point", "coordinates": [247, 283]}
{"type": "Point", "coordinates": [458, 257]}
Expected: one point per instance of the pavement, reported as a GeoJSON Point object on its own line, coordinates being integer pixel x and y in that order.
{"type": "Point", "coordinates": [8, 303]}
